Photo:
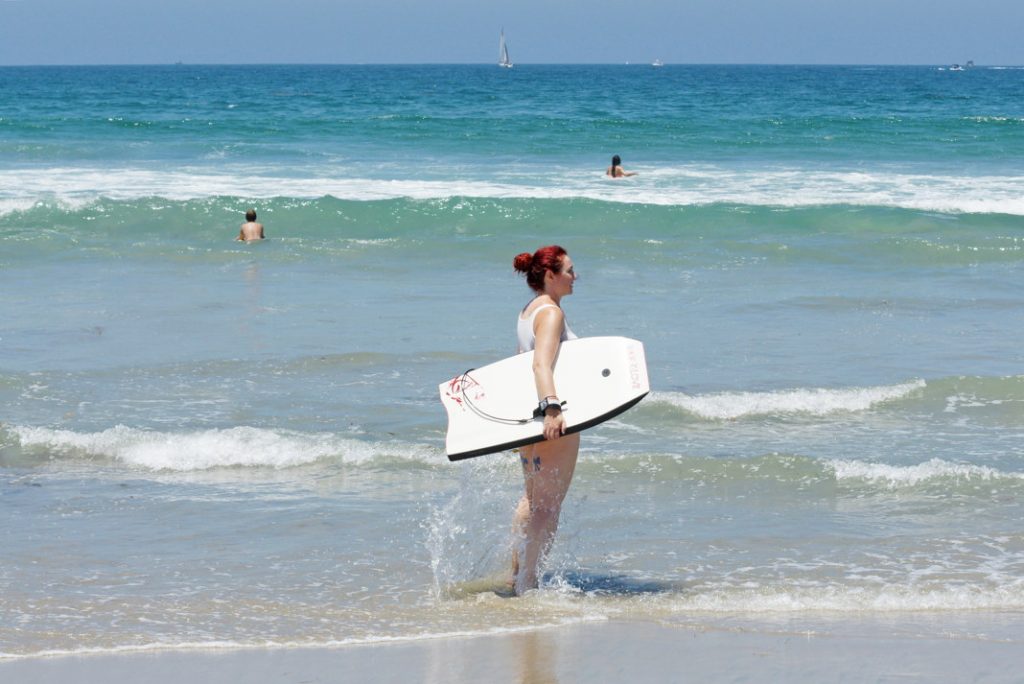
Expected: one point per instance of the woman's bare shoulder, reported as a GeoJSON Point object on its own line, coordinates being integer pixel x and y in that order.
{"type": "Point", "coordinates": [536, 303]}
{"type": "Point", "coordinates": [548, 315]}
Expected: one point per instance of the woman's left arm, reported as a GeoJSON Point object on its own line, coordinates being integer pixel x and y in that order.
{"type": "Point", "coordinates": [548, 326]}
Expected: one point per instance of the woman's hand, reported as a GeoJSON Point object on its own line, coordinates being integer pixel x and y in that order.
{"type": "Point", "coordinates": [554, 424]}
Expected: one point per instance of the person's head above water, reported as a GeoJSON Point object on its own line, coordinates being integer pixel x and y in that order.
{"type": "Point", "coordinates": [616, 161]}
{"type": "Point", "coordinates": [250, 215]}
{"type": "Point", "coordinates": [535, 266]}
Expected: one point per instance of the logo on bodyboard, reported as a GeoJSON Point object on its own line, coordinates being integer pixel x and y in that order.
{"type": "Point", "coordinates": [636, 369]}
{"type": "Point", "coordinates": [463, 387]}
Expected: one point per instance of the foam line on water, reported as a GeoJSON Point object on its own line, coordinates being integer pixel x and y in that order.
{"type": "Point", "coordinates": [285, 645]}
{"type": "Point", "coordinates": [796, 187]}
{"type": "Point", "coordinates": [215, 448]}
{"type": "Point", "coordinates": [810, 401]}
{"type": "Point", "coordinates": [933, 470]}
{"type": "Point", "coordinates": [856, 599]}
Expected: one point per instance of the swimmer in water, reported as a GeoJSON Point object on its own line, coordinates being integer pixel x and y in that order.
{"type": "Point", "coordinates": [616, 170]}
{"type": "Point", "coordinates": [250, 230]}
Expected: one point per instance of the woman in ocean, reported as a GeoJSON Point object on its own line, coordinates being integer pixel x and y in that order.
{"type": "Point", "coordinates": [548, 465]}
{"type": "Point", "coordinates": [616, 170]}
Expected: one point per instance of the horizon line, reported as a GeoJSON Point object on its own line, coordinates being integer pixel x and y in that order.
{"type": "Point", "coordinates": [638, 63]}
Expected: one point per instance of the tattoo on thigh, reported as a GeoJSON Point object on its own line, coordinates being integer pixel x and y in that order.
{"type": "Point", "coordinates": [526, 463]}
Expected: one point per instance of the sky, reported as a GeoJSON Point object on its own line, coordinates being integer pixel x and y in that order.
{"type": "Point", "coordinates": [538, 31]}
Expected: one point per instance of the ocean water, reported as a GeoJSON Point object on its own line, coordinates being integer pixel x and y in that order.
{"type": "Point", "coordinates": [207, 444]}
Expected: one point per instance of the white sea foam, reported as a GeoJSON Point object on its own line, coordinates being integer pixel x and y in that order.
{"type": "Point", "coordinates": [846, 599]}
{"type": "Point", "coordinates": [206, 449]}
{"type": "Point", "coordinates": [287, 645]}
{"type": "Point", "coordinates": [676, 186]}
{"type": "Point", "coordinates": [815, 402]}
{"type": "Point", "coordinates": [895, 476]}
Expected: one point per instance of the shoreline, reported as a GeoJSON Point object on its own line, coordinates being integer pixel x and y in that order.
{"type": "Point", "coordinates": [616, 650]}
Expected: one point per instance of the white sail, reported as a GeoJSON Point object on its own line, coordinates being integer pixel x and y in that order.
{"type": "Point", "coordinates": [503, 59]}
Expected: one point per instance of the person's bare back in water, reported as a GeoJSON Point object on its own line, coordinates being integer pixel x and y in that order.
{"type": "Point", "coordinates": [616, 170]}
{"type": "Point", "coordinates": [250, 229]}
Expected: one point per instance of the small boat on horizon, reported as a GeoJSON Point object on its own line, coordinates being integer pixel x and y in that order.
{"type": "Point", "coordinates": [657, 63]}
{"type": "Point", "coordinates": [503, 59]}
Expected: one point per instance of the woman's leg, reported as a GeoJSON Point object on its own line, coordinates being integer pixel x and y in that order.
{"type": "Point", "coordinates": [548, 468]}
{"type": "Point", "coordinates": [519, 522]}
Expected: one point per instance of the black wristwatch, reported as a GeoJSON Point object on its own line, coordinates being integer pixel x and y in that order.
{"type": "Point", "coordinates": [545, 404]}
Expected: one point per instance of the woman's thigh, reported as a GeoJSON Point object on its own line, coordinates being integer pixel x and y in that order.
{"type": "Point", "coordinates": [548, 467]}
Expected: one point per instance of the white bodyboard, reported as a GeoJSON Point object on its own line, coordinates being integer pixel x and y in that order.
{"type": "Point", "coordinates": [490, 409]}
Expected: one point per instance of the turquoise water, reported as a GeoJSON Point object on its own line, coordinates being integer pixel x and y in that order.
{"type": "Point", "coordinates": [211, 444]}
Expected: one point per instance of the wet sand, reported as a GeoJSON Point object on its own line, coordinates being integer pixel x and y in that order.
{"type": "Point", "coordinates": [618, 651]}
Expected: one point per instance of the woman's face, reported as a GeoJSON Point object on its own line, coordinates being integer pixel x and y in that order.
{"type": "Point", "coordinates": [561, 283]}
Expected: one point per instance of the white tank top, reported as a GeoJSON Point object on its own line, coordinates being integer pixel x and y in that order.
{"type": "Point", "coordinates": [524, 330]}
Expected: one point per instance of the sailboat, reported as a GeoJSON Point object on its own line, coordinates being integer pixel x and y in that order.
{"type": "Point", "coordinates": [503, 60]}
